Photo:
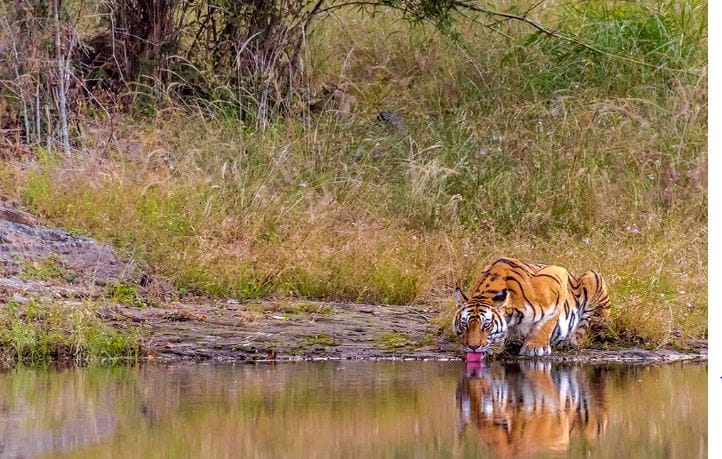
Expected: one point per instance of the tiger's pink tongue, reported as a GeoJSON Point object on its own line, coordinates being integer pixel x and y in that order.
{"type": "Point", "coordinates": [474, 356]}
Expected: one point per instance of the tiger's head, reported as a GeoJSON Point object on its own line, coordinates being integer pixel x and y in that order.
{"type": "Point", "coordinates": [478, 322]}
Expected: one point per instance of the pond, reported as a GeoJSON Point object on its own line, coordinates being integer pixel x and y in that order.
{"type": "Point", "coordinates": [356, 409]}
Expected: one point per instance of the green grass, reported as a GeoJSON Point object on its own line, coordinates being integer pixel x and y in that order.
{"type": "Point", "coordinates": [517, 145]}
{"type": "Point", "coordinates": [650, 43]}
{"type": "Point", "coordinates": [125, 294]}
{"type": "Point", "coordinates": [320, 339]}
{"type": "Point", "coordinates": [47, 269]}
{"type": "Point", "coordinates": [394, 340]}
{"type": "Point", "coordinates": [42, 331]}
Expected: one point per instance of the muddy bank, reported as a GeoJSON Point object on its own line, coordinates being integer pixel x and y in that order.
{"type": "Point", "coordinates": [286, 330]}
{"type": "Point", "coordinates": [312, 330]}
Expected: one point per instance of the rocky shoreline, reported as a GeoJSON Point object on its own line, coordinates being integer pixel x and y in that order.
{"type": "Point", "coordinates": [41, 262]}
{"type": "Point", "coordinates": [286, 331]}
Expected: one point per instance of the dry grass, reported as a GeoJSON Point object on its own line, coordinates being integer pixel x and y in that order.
{"type": "Point", "coordinates": [512, 149]}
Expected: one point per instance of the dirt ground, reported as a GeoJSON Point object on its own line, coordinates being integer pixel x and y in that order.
{"type": "Point", "coordinates": [37, 261]}
{"type": "Point", "coordinates": [286, 330]}
{"type": "Point", "coordinates": [315, 331]}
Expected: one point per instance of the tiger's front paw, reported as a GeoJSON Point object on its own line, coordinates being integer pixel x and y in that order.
{"type": "Point", "coordinates": [532, 350]}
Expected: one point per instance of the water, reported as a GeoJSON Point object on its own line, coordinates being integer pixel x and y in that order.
{"type": "Point", "coordinates": [356, 409]}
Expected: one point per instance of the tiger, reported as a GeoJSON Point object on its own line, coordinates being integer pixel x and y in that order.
{"type": "Point", "coordinates": [543, 305]}
{"type": "Point", "coordinates": [532, 408]}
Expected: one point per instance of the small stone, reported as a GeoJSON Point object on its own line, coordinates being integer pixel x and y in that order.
{"type": "Point", "coordinates": [392, 119]}
{"type": "Point", "coordinates": [20, 299]}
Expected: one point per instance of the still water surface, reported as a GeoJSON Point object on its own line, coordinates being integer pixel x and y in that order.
{"type": "Point", "coordinates": [356, 409]}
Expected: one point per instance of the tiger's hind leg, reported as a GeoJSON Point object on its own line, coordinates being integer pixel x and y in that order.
{"type": "Point", "coordinates": [592, 305]}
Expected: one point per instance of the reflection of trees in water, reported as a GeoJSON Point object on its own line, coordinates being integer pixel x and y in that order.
{"type": "Point", "coordinates": [533, 406]}
{"type": "Point", "coordinates": [44, 411]}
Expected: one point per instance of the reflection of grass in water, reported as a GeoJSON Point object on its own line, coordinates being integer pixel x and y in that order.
{"type": "Point", "coordinates": [332, 410]}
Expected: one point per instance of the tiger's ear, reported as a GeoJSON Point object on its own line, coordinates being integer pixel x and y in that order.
{"type": "Point", "coordinates": [460, 297]}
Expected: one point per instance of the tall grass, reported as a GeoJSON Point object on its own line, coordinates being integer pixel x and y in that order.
{"type": "Point", "coordinates": [527, 147]}
{"type": "Point", "coordinates": [38, 332]}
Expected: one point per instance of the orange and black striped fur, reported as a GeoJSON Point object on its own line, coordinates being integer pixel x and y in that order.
{"type": "Point", "coordinates": [544, 305]}
{"type": "Point", "coordinates": [533, 408]}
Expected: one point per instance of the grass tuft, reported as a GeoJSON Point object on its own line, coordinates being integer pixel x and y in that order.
{"type": "Point", "coordinates": [48, 269]}
{"type": "Point", "coordinates": [125, 294]}
{"type": "Point", "coordinates": [38, 332]}
{"type": "Point", "coordinates": [394, 340]}
{"type": "Point", "coordinates": [320, 339]}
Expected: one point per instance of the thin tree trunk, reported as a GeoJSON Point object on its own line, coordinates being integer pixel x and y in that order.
{"type": "Point", "coordinates": [62, 70]}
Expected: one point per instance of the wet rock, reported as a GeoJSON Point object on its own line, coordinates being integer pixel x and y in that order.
{"type": "Point", "coordinates": [212, 332]}
{"type": "Point", "coordinates": [633, 355]}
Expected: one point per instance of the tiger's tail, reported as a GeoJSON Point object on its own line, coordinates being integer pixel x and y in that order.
{"type": "Point", "coordinates": [590, 292]}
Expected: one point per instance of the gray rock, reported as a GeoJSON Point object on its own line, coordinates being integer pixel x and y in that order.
{"type": "Point", "coordinates": [86, 261]}
{"type": "Point", "coordinates": [392, 119]}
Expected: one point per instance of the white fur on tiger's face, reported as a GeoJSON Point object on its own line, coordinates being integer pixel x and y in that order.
{"type": "Point", "coordinates": [478, 324]}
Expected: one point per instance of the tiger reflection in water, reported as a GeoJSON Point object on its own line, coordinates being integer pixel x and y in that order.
{"type": "Point", "coordinates": [532, 407]}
